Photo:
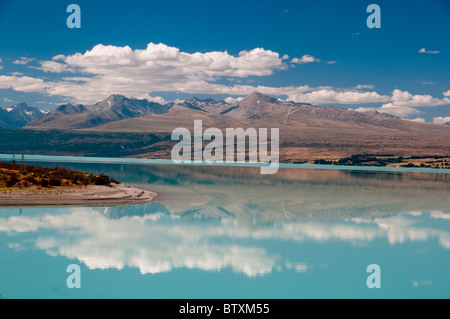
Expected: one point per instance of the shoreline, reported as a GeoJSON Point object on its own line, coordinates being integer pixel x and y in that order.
{"type": "Point", "coordinates": [94, 195]}
{"type": "Point", "coordinates": [146, 161]}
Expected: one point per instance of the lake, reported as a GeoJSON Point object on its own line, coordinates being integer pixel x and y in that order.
{"type": "Point", "coordinates": [229, 232]}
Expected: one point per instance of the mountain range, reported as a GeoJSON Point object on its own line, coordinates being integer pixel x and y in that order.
{"type": "Point", "coordinates": [119, 113]}
{"type": "Point", "coordinates": [19, 115]}
{"type": "Point", "coordinates": [306, 131]}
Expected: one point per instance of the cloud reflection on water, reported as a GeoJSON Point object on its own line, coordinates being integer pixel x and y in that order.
{"type": "Point", "coordinates": [159, 242]}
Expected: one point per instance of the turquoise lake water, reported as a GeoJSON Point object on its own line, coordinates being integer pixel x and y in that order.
{"type": "Point", "coordinates": [229, 232]}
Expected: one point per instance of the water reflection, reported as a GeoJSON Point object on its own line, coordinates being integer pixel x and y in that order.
{"type": "Point", "coordinates": [292, 194]}
{"type": "Point", "coordinates": [301, 224]}
{"type": "Point", "coordinates": [150, 239]}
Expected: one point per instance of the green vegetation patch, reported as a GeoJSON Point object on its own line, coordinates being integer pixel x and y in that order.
{"type": "Point", "coordinates": [79, 143]}
{"type": "Point", "coordinates": [388, 160]}
{"type": "Point", "coordinates": [14, 175]}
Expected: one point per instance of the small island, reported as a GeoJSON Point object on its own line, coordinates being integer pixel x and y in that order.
{"type": "Point", "coordinates": [32, 185]}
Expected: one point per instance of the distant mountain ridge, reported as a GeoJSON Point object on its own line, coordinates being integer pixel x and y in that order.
{"type": "Point", "coordinates": [207, 105]}
{"type": "Point", "coordinates": [306, 132]}
{"type": "Point", "coordinates": [123, 114]}
{"type": "Point", "coordinates": [120, 113]}
{"type": "Point", "coordinates": [18, 115]}
{"type": "Point", "coordinates": [114, 108]}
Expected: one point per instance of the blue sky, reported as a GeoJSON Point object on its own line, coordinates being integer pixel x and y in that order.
{"type": "Point", "coordinates": [320, 52]}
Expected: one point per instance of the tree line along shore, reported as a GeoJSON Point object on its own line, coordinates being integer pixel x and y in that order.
{"type": "Point", "coordinates": [33, 186]}
{"type": "Point", "coordinates": [20, 175]}
{"type": "Point", "coordinates": [436, 161]}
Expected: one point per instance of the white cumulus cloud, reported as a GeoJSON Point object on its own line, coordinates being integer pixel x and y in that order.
{"type": "Point", "coordinates": [403, 103]}
{"type": "Point", "coordinates": [232, 100]}
{"type": "Point", "coordinates": [155, 99]}
{"type": "Point", "coordinates": [428, 51]}
{"type": "Point", "coordinates": [398, 110]}
{"type": "Point", "coordinates": [441, 119]}
{"type": "Point", "coordinates": [325, 96]}
{"type": "Point", "coordinates": [107, 69]}
{"type": "Point", "coordinates": [418, 119]}
{"type": "Point", "coordinates": [112, 60]}
{"type": "Point", "coordinates": [305, 59]}
{"type": "Point", "coordinates": [159, 67]}
{"type": "Point", "coordinates": [52, 66]}
{"type": "Point", "coordinates": [23, 60]}
{"type": "Point", "coordinates": [404, 98]}
{"type": "Point", "coordinates": [22, 83]}
{"type": "Point", "coordinates": [364, 86]}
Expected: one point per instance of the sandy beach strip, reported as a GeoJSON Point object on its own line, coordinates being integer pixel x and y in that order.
{"type": "Point", "coordinates": [115, 194]}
